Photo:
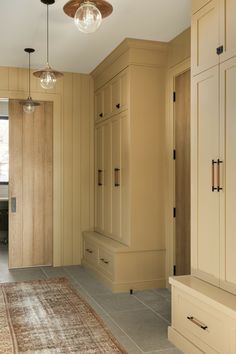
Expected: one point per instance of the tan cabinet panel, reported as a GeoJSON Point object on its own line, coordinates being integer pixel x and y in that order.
{"type": "Point", "coordinates": [99, 178]}
{"type": "Point", "coordinates": [205, 37]}
{"type": "Point", "coordinates": [107, 101]}
{"type": "Point", "coordinates": [198, 4]}
{"type": "Point", "coordinates": [125, 178]}
{"type": "Point", "coordinates": [116, 95]}
{"type": "Point", "coordinates": [107, 178]}
{"type": "Point", "coordinates": [228, 183]}
{"type": "Point", "coordinates": [99, 105]}
{"type": "Point", "coordinates": [116, 180]}
{"type": "Point", "coordinates": [227, 28]}
{"type": "Point", "coordinates": [205, 202]}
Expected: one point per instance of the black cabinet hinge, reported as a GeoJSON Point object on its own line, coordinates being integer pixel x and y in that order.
{"type": "Point", "coordinates": [174, 212]}
{"type": "Point", "coordinates": [174, 270]}
{"type": "Point", "coordinates": [174, 154]}
{"type": "Point", "coordinates": [174, 96]}
{"type": "Point", "coordinates": [219, 50]}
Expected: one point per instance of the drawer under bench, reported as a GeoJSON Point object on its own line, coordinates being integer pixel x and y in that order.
{"type": "Point", "coordinates": [203, 317]}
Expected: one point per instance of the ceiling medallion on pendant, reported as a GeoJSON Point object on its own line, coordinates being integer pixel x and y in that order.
{"type": "Point", "coordinates": [88, 15]}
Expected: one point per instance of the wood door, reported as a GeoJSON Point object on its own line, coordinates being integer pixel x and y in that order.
{"type": "Point", "coordinates": [205, 203]}
{"type": "Point", "coordinates": [228, 175]}
{"type": "Point", "coordinates": [205, 37]}
{"type": "Point", "coordinates": [116, 180]}
{"type": "Point", "coordinates": [99, 179]}
{"type": "Point", "coordinates": [107, 101]}
{"type": "Point", "coordinates": [227, 29]}
{"type": "Point", "coordinates": [182, 173]}
{"type": "Point", "coordinates": [30, 183]}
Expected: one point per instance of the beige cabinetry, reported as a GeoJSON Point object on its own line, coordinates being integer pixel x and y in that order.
{"type": "Point", "coordinates": [203, 317]}
{"type": "Point", "coordinates": [204, 312]}
{"type": "Point", "coordinates": [112, 98]}
{"type": "Point", "coordinates": [112, 164]}
{"type": "Point", "coordinates": [213, 34]}
{"type": "Point", "coordinates": [213, 169]}
{"type": "Point", "coordinates": [129, 122]}
{"type": "Point", "coordinates": [205, 128]}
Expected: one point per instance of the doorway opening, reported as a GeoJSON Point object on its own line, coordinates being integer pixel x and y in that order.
{"type": "Point", "coordinates": [182, 261]}
{"type": "Point", "coordinates": [4, 180]}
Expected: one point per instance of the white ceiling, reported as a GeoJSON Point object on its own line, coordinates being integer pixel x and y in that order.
{"type": "Point", "coordinates": [23, 24]}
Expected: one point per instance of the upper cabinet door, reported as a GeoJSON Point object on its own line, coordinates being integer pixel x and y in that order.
{"type": "Point", "coordinates": [116, 95]}
{"type": "Point", "coordinates": [205, 202]}
{"type": "Point", "coordinates": [228, 174]}
{"type": "Point", "coordinates": [227, 29]}
{"type": "Point", "coordinates": [119, 88]}
{"type": "Point", "coordinates": [99, 105]}
{"type": "Point", "coordinates": [205, 37]}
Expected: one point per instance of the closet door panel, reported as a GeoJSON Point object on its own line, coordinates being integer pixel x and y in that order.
{"type": "Point", "coordinates": [99, 105]}
{"type": "Point", "coordinates": [116, 178]}
{"type": "Point", "coordinates": [116, 95]}
{"type": "Point", "coordinates": [205, 203]}
{"type": "Point", "coordinates": [125, 174]}
{"type": "Point", "coordinates": [99, 178]}
{"type": "Point", "coordinates": [107, 178]}
{"type": "Point", "coordinates": [228, 156]}
{"type": "Point", "coordinates": [205, 37]}
{"type": "Point", "coordinates": [107, 101]}
{"type": "Point", "coordinates": [228, 29]}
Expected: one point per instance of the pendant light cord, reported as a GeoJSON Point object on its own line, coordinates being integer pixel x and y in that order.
{"type": "Point", "coordinates": [47, 35]}
{"type": "Point", "coordinates": [29, 76]}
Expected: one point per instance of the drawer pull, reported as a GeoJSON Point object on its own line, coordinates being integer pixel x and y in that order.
{"type": "Point", "coordinates": [197, 323]}
{"type": "Point", "coordinates": [117, 177]}
{"type": "Point", "coordinates": [104, 261]}
{"type": "Point", "coordinates": [89, 251]}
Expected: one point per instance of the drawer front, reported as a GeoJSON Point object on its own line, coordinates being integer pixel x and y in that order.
{"type": "Point", "coordinates": [90, 252]}
{"type": "Point", "coordinates": [195, 319]}
{"type": "Point", "coordinates": [106, 262]}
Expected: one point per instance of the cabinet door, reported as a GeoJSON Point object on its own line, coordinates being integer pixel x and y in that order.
{"type": "Point", "coordinates": [107, 178]}
{"type": "Point", "coordinates": [116, 95]}
{"type": "Point", "coordinates": [205, 37]}
{"type": "Point", "coordinates": [116, 178]}
{"type": "Point", "coordinates": [228, 156]}
{"type": "Point", "coordinates": [124, 179]}
{"type": "Point", "coordinates": [99, 105]}
{"type": "Point", "coordinates": [107, 101]}
{"type": "Point", "coordinates": [205, 206]}
{"type": "Point", "coordinates": [99, 178]}
{"type": "Point", "coordinates": [119, 88]}
{"type": "Point", "coordinates": [227, 29]}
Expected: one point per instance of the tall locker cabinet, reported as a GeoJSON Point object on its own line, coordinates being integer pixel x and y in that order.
{"type": "Point", "coordinates": [204, 304]}
{"type": "Point", "coordinates": [127, 247]}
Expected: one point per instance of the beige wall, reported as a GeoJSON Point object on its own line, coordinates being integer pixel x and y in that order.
{"type": "Point", "coordinates": [179, 48]}
{"type": "Point", "coordinates": [72, 156]}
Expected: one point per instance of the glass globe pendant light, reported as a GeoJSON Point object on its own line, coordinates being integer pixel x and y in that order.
{"type": "Point", "coordinates": [28, 104]}
{"type": "Point", "coordinates": [88, 15]}
{"type": "Point", "coordinates": [88, 18]}
{"type": "Point", "coordinates": [48, 77]}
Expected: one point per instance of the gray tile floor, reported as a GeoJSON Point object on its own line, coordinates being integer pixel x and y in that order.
{"type": "Point", "coordinates": [138, 321]}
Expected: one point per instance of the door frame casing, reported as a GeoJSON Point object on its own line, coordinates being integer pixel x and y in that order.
{"type": "Point", "coordinates": [170, 166]}
{"type": "Point", "coordinates": [57, 164]}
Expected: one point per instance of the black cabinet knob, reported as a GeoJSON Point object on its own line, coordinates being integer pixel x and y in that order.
{"type": "Point", "coordinates": [118, 106]}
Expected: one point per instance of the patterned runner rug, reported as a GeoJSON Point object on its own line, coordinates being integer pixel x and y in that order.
{"type": "Point", "coordinates": [48, 316]}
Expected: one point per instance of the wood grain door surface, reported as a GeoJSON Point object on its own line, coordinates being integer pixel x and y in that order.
{"type": "Point", "coordinates": [30, 183]}
{"type": "Point", "coordinates": [182, 173]}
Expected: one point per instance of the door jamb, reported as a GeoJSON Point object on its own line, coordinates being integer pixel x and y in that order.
{"type": "Point", "coordinates": [170, 168]}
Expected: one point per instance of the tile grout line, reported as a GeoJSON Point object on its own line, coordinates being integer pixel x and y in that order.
{"type": "Point", "coordinates": [105, 312]}
{"type": "Point", "coordinates": [156, 313]}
